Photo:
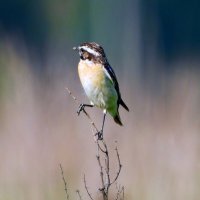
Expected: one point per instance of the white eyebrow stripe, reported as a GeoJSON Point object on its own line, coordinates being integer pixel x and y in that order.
{"type": "Point", "coordinates": [90, 50]}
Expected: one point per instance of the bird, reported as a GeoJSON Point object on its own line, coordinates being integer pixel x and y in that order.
{"type": "Point", "coordinates": [99, 82]}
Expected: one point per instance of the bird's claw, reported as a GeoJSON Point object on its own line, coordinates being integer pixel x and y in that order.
{"type": "Point", "coordinates": [99, 135]}
{"type": "Point", "coordinates": [80, 109]}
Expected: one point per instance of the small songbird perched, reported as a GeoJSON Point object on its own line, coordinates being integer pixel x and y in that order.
{"type": "Point", "coordinates": [99, 81]}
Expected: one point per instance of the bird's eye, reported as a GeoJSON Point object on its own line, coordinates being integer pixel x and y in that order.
{"type": "Point", "coordinates": [85, 54]}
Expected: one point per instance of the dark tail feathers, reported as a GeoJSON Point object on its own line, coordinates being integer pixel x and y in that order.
{"type": "Point", "coordinates": [117, 117]}
{"type": "Point", "coordinates": [118, 120]}
{"type": "Point", "coordinates": [123, 104]}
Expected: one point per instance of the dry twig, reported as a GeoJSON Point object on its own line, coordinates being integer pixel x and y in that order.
{"type": "Point", "coordinates": [86, 188]}
{"type": "Point", "coordinates": [120, 192]}
{"type": "Point", "coordinates": [79, 195]}
{"type": "Point", "coordinates": [88, 116]}
{"type": "Point", "coordinates": [102, 153]}
{"type": "Point", "coordinates": [65, 183]}
{"type": "Point", "coordinates": [120, 166]}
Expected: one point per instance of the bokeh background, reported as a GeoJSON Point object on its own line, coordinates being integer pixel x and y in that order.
{"type": "Point", "coordinates": [154, 48]}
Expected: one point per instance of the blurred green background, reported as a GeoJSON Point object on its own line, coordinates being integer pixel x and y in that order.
{"type": "Point", "coordinates": [154, 48]}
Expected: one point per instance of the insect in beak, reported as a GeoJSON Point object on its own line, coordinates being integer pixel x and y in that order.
{"type": "Point", "coordinates": [75, 48]}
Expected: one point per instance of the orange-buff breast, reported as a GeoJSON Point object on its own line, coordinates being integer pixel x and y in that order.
{"type": "Point", "coordinates": [91, 74]}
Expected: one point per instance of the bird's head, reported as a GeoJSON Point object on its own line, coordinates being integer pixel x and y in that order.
{"type": "Point", "coordinates": [91, 51]}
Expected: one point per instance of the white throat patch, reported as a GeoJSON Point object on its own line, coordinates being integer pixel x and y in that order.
{"type": "Point", "coordinates": [88, 62]}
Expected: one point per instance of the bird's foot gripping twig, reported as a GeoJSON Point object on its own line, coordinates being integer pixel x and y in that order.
{"type": "Point", "coordinates": [99, 135]}
{"type": "Point", "coordinates": [82, 108]}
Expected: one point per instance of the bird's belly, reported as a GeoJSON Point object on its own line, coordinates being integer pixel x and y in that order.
{"type": "Point", "coordinates": [101, 94]}
{"type": "Point", "coordinates": [99, 89]}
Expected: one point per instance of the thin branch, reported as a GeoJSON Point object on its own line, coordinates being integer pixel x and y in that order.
{"type": "Point", "coordinates": [65, 183]}
{"type": "Point", "coordinates": [107, 169]}
{"type": "Point", "coordinates": [88, 116]}
{"type": "Point", "coordinates": [102, 152]}
{"type": "Point", "coordinates": [79, 195]}
{"type": "Point", "coordinates": [73, 97]}
{"type": "Point", "coordinates": [102, 189]}
{"type": "Point", "coordinates": [120, 166]}
{"type": "Point", "coordinates": [99, 146]}
{"type": "Point", "coordinates": [86, 188]}
{"type": "Point", "coordinates": [105, 182]}
{"type": "Point", "coordinates": [120, 193]}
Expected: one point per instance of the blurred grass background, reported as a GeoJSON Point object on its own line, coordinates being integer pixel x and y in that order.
{"type": "Point", "coordinates": [154, 49]}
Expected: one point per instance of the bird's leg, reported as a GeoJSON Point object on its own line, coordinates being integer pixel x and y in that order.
{"type": "Point", "coordinates": [82, 106]}
{"type": "Point", "coordinates": [100, 133]}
